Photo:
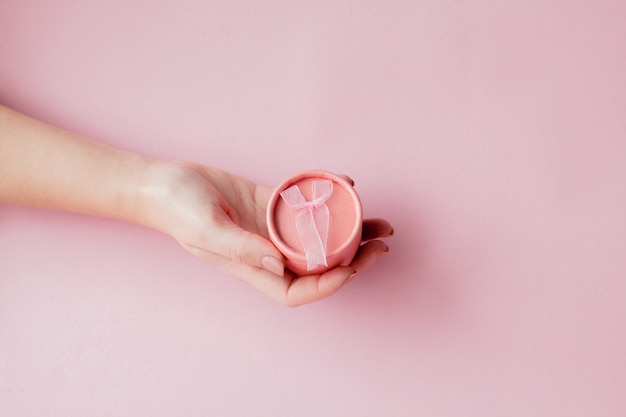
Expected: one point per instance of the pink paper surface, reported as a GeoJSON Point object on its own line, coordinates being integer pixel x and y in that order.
{"type": "Point", "coordinates": [491, 134]}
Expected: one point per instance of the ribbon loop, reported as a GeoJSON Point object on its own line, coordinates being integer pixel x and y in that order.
{"type": "Point", "coordinates": [312, 221]}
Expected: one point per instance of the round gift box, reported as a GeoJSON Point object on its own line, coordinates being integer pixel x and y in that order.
{"type": "Point", "coordinates": [344, 227]}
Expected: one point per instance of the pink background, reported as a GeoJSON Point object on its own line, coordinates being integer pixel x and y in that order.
{"type": "Point", "coordinates": [491, 134]}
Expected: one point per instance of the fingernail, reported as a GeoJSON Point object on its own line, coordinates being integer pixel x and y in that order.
{"type": "Point", "coordinates": [347, 178]}
{"type": "Point", "coordinates": [273, 265]}
{"type": "Point", "coordinates": [385, 252]}
{"type": "Point", "coordinates": [393, 232]}
{"type": "Point", "coordinates": [354, 274]}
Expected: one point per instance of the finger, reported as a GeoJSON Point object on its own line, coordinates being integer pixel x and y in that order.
{"type": "Point", "coordinates": [307, 289]}
{"type": "Point", "coordinates": [369, 253]}
{"type": "Point", "coordinates": [233, 242]}
{"type": "Point", "coordinates": [266, 282]}
{"type": "Point", "coordinates": [376, 228]}
{"type": "Point", "coordinates": [295, 292]}
{"type": "Point", "coordinates": [287, 289]}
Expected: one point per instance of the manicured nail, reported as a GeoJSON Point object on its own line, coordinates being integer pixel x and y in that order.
{"type": "Point", "coordinates": [273, 265]}
{"type": "Point", "coordinates": [350, 180]}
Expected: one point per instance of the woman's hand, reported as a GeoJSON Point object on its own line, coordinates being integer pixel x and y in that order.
{"type": "Point", "coordinates": [215, 215]}
{"type": "Point", "coordinates": [220, 218]}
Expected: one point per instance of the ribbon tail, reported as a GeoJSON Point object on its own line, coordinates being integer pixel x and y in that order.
{"type": "Point", "coordinates": [309, 234]}
{"type": "Point", "coordinates": [321, 217]}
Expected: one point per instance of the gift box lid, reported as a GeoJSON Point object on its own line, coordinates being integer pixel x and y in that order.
{"type": "Point", "coordinates": [344, 218]}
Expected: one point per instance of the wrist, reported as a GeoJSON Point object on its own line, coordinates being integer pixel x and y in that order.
{"type": "Point", "coordinates": [130, 202]}
{"type": "Point", "coordinates": [155, 193]}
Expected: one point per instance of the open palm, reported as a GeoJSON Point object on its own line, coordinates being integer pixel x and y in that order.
{"type": "Point", "coordinates": [220, 217]}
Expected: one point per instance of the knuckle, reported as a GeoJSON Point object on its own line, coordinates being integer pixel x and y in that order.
{"type": "Point", "coordinates": [238, 254]}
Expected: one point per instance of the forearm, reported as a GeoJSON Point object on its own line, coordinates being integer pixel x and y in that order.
{"type": "Point", "coordinates": [43, 166]}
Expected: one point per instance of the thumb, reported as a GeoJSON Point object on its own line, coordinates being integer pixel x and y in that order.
{"type": "Point", "coordinates": [231, 241]}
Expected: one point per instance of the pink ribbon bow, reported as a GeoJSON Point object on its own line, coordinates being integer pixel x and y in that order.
{"type": "Point", "coordinates": [312, 220]}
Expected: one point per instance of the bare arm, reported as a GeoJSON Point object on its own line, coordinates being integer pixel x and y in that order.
{"type": "Point", "coordinates": [216, 216]}
{"type": "Point", "coordinates": [44, 166]}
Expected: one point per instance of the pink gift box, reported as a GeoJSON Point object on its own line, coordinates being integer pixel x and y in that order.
{"type": "Point", "coordinates": [315, 219]}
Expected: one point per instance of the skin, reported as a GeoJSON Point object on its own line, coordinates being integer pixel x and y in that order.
{"type": "Point", "coordinates": [216, 216]}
